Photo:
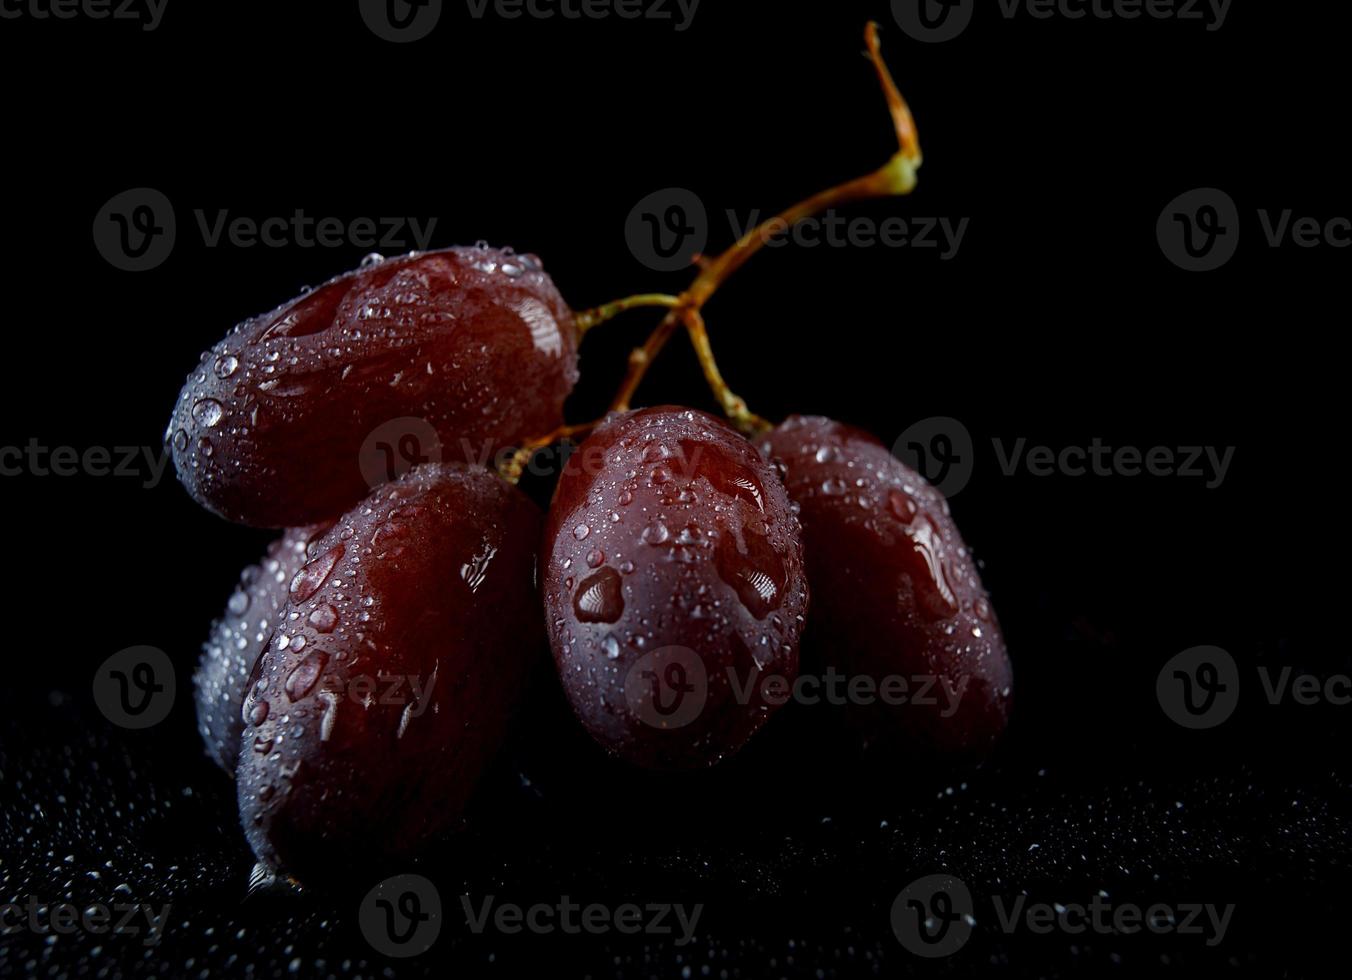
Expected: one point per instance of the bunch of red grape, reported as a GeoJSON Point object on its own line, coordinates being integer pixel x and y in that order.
{"type": "Point", "coordinates": [364, 673]}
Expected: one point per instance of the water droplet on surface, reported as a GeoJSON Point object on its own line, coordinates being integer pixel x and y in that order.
{"type": "Point", "coordinates": [226, 365]}
{"type": "Point", "coordinates": [656, 533]}
{"type": "Point", "coordinates": [611, 647]}
{"type": "Point", "coordinates": [324, 618]}
{"type": "Point", "coordinates": [208, 412]}
{"type": "Point", "coordinates": [599, 599]}
{"type": "Point", "coordinates": [238, 604]}
{"type": "Point", "coordinates": [758, 576]}
{"type": "Point", "coordinates": [312, 576]}
{"type": "Point", "coordinates": [302, 680]}
{"type": "Point", "coordinates": [902, 506]}
{"type": "Point", "coordinates": [581, 531]}
{"type": "Point", "coordinates": [257, 714]}
{"type": "Point", "coordinates": [595, 558]}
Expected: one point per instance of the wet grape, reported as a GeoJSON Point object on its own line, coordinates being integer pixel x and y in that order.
{"type": "Point", "coordinates": [237, 639]}
{"type": "Point", "coordinates": [387, 687]}
{"type": "Point", "coordinates": [895, 591]}
{"type": "Point", "coordinates": [475, 344]}
{"type": "Point", "coordinates": [674, 587]}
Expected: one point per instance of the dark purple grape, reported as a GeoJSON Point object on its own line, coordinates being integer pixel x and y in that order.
{"type": "Point", "coordinates": [895, 591]}
{"type": "Point", "coordinates": [674, 587]}
{"type": "Point", "coordinates": [387, 687]}
{"type": "Point", "coordinates": [271, 428]}
{"type": "Point", "coordinates": [237, 639]}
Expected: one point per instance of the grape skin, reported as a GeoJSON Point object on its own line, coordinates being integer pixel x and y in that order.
{"type": "Point", "coordinates": [895, 589]}
{"type": "Point", "coordinates": [270, 428]}
{"type": "Point", "coordinates": [668, 532]}
{"type": "Point", "coordinates": [431, 581]}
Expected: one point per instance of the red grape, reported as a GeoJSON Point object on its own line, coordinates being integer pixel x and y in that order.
{"type": "Point", "coordinates": [674, 587]}
{"type": "Point", "coordinates": [237, 639]}
{"type": "Point", "coordinates": [895, 590]}
{"type": "Point", "coordinates": [397, 661]}
{"type": "Point", "coordinates": [270, 427]}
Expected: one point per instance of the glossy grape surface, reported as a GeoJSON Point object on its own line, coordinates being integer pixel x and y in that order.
{"type": "Point", "coordinates": [895, 591]}
{"type": "Point", "coordinates": [674, 587]}
{"type": "Point", "coordinates": [277, 425]}
{"type": "Point", "coordinates": [397, 661]}
{"type": "Point", "coordinates": [237, 639]}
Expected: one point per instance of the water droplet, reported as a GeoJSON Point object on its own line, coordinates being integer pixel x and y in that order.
{"type": "Point", "coordinates": [226, 365]}
{"type": "Point", "coordinates": [372, 259]}
{"type": "Point", "coordinates": [656, 533]}
{"type": "Point", "coordinates": [611, 646]}
{"type": "Point", "coordinates": [581, 531]}
{"type": "Point", "coordinates": [599, 599]}
{"type": "Point", "coordinates": [312, 576]}
{"type": "Point", "coordinates": [833, 487]}
{"type": "Point", "coordinates": [595, 557]}
{"type": "Point", "coordinates": [902, 505]}
{"type": "Point", "coordinates": [757, 576]}
{"type": "Point", "coordinates": [208, 412]}
{"type": "Point", "coordinates": [302, 679]}
{"type": "Point", "coordinates": [257, 714]}
{"type": "Point", "coordinates": [180, 440]}
{"type": "Point", "coordinates": [238, 604]}
{"type": "Point", "coordinates": [324, 618]}
{"type": "Point", "coordinates": [262, 745]}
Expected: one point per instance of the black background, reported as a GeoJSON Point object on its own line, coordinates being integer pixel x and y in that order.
{"type": "Point", "coordinates": [1059, 320]}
